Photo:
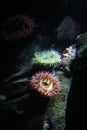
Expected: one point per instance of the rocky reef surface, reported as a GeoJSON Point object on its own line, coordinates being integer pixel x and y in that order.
{"type": "Point", "coordinates": [56, 108]}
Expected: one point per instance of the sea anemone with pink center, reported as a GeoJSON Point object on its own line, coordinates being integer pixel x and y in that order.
{"type": "Point", "coordinates": [46, 84]}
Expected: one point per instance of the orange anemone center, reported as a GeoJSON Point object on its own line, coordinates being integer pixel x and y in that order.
{"type": "Point", "coordinates": [46, 84]}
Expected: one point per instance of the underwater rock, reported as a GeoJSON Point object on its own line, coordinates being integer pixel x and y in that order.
{"type": "Point", "coordinates": [81, 41]}
{"type": "Point", "coordinates": [56, 108]}
{"type": "Point", "coordinates": [81, 38]}
{"type": "Point", "coordinates": [82, 51]}
{"type": "Point", "coordinates": [68, 30]}
{"type": "Point", "coordinates": [76, 109]}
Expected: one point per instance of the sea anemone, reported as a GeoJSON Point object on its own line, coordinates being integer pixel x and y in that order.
{"type": "Point", "coordinates": [47, 58]}
{"type": "Point", "coordinates": [68, 55]}
{"type": "Point", "coordinates": [16, 27]}
{"type": "Point", "coordinates": [70, 52]}
{"type": "Point", "coordinates": [45, 83]}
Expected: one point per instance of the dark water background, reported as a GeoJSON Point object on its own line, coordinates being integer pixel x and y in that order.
{"type": "Point", "coordinates": [48, 11]}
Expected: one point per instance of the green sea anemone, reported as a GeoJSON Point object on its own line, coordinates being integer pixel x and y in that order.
{"type": "Point", "coordinates": [47, 58]}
